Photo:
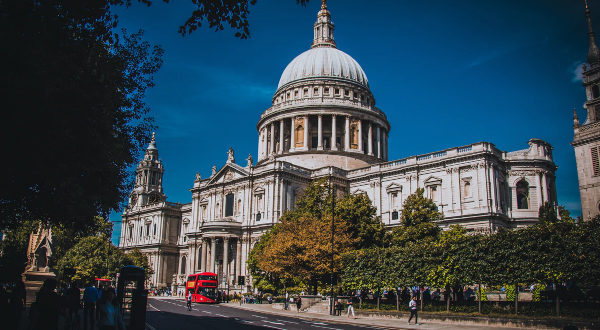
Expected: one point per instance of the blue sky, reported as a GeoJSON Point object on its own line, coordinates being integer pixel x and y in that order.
{"type": "Point", "coordinates": [446, 73]}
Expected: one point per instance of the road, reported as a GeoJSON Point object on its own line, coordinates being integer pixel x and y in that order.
{"type": "Point", "coordinates": [170, 314]}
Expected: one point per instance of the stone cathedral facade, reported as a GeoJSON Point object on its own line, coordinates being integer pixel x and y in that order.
{"type": "Point", "coordinates": [323, 122]}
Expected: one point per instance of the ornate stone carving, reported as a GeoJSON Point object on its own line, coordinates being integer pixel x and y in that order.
{"type": "Point", "coordinates": [229, 176]}
{"type": "Point", "coordinates": [214, 169]}
{"type": "Point", "coordinates": [230, 158]}
{"type": "Point", "coordinates": [522, 173]}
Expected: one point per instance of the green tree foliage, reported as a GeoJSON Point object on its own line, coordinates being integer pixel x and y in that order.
{"type": "Point", "coordinates": [365, 227]}
{"type": "Point", "coordinates": [547, 213]}
{"type": "Point", "coordinates": [418, 218]}
{"type": "Point", "coordinates": [547, 252]}
{"type": "Point", "coordinates": [95, 257]}
{"type": "Point", "coordinates": [74, 97]}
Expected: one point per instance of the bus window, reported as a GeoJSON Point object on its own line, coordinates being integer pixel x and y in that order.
{"type": "Point", "coordinates": [208, 277]}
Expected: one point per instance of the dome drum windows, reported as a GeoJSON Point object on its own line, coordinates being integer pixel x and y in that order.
{"type": "Point", "coordinates": [326, 91]}
{"type": "Point", "coordinates": [316, 91]}
{"type": "Point", "coordinates": [595, 91]}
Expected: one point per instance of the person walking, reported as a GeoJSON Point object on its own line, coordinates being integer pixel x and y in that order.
{"type": "Point", "coordinates": [18, 300]}
{"type": "Point", "coordinates": [48, 305]}
{"type": "Point", "coordinates": [350, 306]}
{"type": "Point", "coordinates": [90, 298]}
{"type": "Point", "coordinates": [74, 304]}
{"type": "Point", "coordinates": [299, 304]}
{"type": "Point", "coordinates": [110, 312]}
{"type": "Point", "coordinates": [413, 311]}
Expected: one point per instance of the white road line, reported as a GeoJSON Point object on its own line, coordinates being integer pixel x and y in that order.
{"type": "Point", "coordinates": [206, 312]}
{"type": "Point", "coordinates": [195, 309]}
{"type": "Point", "coordinates": [247, 321]}
{"type": "Point", "coordinates": [268, 326]}
{"type": "Point", "coordinates": [273, 322]}
{"type": "Point", "coordinates": [287, 321]}
{"type": "Point", "coordinates": [154, 307]}
{"type": "Point", "coordinates": [262, 317]}
{"type": "Point", "coordinates": [150, 327]}
{"type": "Point", "coordinates": [222, 315]}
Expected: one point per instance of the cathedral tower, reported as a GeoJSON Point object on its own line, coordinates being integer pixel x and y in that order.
{"type": "Point", "coordinates": [586, 140]}
{"type": "Point", "coordinates": [148, 184]}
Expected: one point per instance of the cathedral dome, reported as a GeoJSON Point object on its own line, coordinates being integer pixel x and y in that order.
{"type": "Point", "coordinates": [326, 62]}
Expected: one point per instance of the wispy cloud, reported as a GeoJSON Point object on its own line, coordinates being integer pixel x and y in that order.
{"type": "Point", "coordinates": [576, 70]}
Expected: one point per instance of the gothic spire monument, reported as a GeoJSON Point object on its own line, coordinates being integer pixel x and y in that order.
{"type": "Point", "coordinates": [323, 121]}
{"type": "Point", "coordinates": [586, 139]}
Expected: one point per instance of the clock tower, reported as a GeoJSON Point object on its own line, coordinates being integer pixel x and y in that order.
{"type": "Point", "coordinates": [148, 183]}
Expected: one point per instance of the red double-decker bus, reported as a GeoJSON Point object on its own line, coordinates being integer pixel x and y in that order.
{"type": "Point", "coordinates": [203, 287]}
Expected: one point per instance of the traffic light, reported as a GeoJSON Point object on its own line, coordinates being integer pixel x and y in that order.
{"type": "Point", "coordinates": [241, 280]}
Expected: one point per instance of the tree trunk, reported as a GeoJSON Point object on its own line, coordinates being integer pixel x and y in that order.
{"type": "Point", "coordinates": [479, 298]}
{"type": "Point", "coordinates": [360, 301]}
{"type": "Point", "coordinates": [517, 299]}
{"type": "Point", "coordinates": [421, 296]}
{"type": "Point", "coordinates": [378, 299]}
{"type": "Point", "coordinates": [398, 300]}
{"type": "Point", "coordinates": [448, 299]}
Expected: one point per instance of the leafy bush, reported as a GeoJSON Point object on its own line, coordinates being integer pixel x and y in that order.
{"type": "Point", "coordinates": [511, 292]}
{"type": "Point", "coordinates": [536, 292]}
{"type": "Point", "coordinates": [483, 294]}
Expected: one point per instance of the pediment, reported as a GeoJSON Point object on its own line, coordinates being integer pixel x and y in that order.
{"type": "Point", "coordinates": [229, 172]}
{"type": "Point", "coordinates": [359, 192]}
{"type": "Point", "coordinates": [432, 181]}
{"type": "Point", "coordinates": [393, 187]}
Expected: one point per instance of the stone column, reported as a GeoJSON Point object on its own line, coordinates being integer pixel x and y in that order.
{"type": "Point", "coordinates": [347, 135]}
{"type": "Point", "coordinates": [238, 263]}
{"type": "Point", "coordinates": [226, 258]}
{"type": "Point", "coordinates": [378, 138]}
{"type": "Point", "coordinates": [360, 141]}
{"type": "Point", "coordinates": [320, 134]}
{"type": "Point", "coordinates": [370, 141]}
{"type": "Point", "coordinates": [272, 152]}
{"type": "Point", "coordinates": [265, 143]}
{"type": "Point", "coordinates": [385, 146]}
{"type": "Point", "coordinates": [204, 262]}
{"type": "Point", "coordinates": [333, 133]}
{"type": "Point", "coordinates": [305, 132]}
{"type": "Point", "coordinates": [213, 254]}
{"type": "Point", "coordinates": [539, 191]}
{"type": "Point", "coordinates": [292, 135]}
{"type": "Point", "coordinates": [281, 137]}
{"type": "Point", "coordinates": [544, 188]}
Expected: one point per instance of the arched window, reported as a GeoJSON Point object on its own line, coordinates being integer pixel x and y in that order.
{"type": "Point", "coordinates": [299, 137]}
{"type": "Point", "coordinates": [395, 215]}
{"type": "Point", "coordinates": [595, 91]}
{"type": "Point", "coordinates": [183, 264]}
{"type": "Point", "coordinates": [522, 195]}
{"type": "Point", "coordinates": [467, 189]}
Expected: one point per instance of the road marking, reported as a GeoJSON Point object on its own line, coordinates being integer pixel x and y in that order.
{"type": "Point", "coordinates": [222, 315]}
{"type": "Point", "coordinates": [150, 327]}
{"type": "Point", "coordinates": [273, 322]}
{"type": "Point", "coordinates": [268, 326]}
{"type": "Point", "coordinates": [154, 307]}
{"type": "Point", "coordinates": [262, 317]}
{"type": "Point", "coordinates": [195, 309]}
{"type": "Point", "coordinates": [206, 312]}
{"type": "Point", "coordinates": [287, 321]}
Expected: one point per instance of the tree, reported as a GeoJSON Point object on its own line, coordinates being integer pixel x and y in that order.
{"type": "Point", "coordinates": [547, 213]}
{"type": "Point", "coordinates": [418, 218]}
{"type": "Point", "coordinates": [74, 99]}
{"type": "Point", "coordinates": [95, 257]}
{"type": "Point", "coordinates": [364, 226]}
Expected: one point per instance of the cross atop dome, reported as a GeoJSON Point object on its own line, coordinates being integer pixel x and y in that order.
{"type": "Point", "coordinates": [323, 29]}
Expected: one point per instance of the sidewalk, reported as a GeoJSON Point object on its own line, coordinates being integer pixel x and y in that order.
{"type": "Point", "coordinates": [364, 321]}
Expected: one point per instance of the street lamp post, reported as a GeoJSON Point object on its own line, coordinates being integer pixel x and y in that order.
{"type": "Point", "coordinates": [332, 231]}
{"type": "Point", "coordinates": [331, 304]}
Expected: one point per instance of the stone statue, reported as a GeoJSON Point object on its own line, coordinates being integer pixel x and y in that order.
{"type": "Point", "coordinates": [249, 159]}
{"type": "Point", "coordinates": [198, 176]}
{"type": "Point", "coordinates": [230, 158]}
{"type": "Point", "coordinates": [214, 169]}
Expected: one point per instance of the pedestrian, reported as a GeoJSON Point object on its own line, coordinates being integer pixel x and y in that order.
{"type": "Point", "coordinates": [100, 289]}
{"type": "Point", "coordinates": [90, 298]}
{"type": "Point", "coordinates": [18, 300]}
{"type": "Point", "coordinates": [337, 309]}
{"type": "Point", "coordinates": [413, 310]}
{"type": "Point", "coordinates": [110, 312]}
{"type": "Point", "coordinates": [350, 306]}
{"type": "Point", "coordinates": [48, 306]}
{"type": "Point", "coordinates": [298, 304]}
{"type": "Point", "coordinates": [189, 301]}
{"type": "Point", "coordinates": [73, 301]}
